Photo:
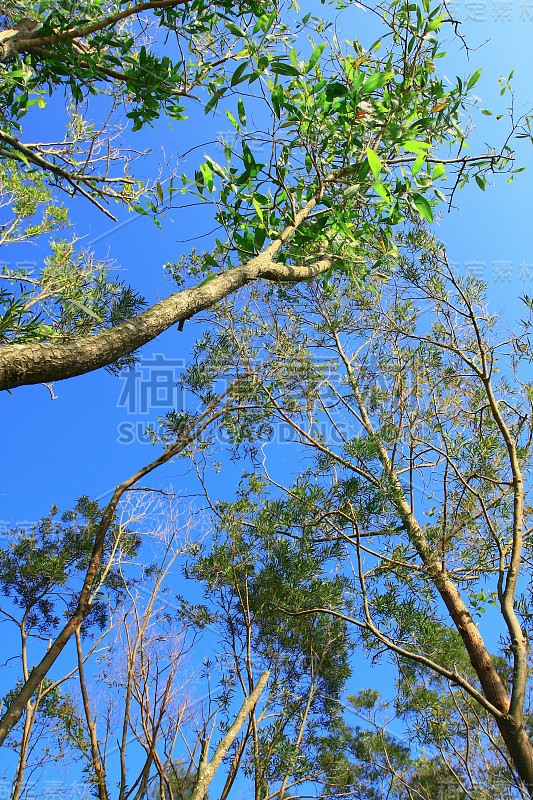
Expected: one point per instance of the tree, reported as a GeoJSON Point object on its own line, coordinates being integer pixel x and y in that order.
{"type": "Point", "coordinates": [37, 576]}
{"type": "Point", "coordinates": [356, 145]}
{"type": "Point", "coordinates": [139, 689]}
{"type": "Point", "coordinates": [307, 659]}
{"type": "Point", "coordinates": [377, 130]}
{"type": "Point", "coordinates": [416, 419]}
{"type": "Point", "coordinates": [180, 431]}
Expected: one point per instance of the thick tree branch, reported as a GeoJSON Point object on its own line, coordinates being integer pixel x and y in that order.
{"type": "Point", "coordinates": [25, 36]}
{"type": "Point", "coordinates": [23, 364]}
{"type": "Point", "coordinates": [207, 769]}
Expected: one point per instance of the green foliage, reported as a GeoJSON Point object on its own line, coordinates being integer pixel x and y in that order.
{"type": "Point", "coordinates": [115, 55]}
{"type": "Point", "coordinates": [375, 370]}
{"type": "Point", "coordinates": [360, 134]}
{"type": "Point", "coordinates": [386, 402]}
{"type": "Point", "coordinates": [393, 108]}
{"type": "Point", "coordinates": [57, 716]}
{"type": "Point", "coordinates": [249, 581]}
{"type": "Point", "coordinates": [41, 568]}
{"type": "Point", "coordinates": [182, 783]}
{"type": "Point", "coordinates": [28, 197]}
{"type": "Point", "coordinates": [72, 296]}
{"type": "Point", "coordinates": [85, 50]}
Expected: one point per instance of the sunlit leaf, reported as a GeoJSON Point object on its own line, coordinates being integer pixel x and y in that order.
{"type": "Point", "coordinates": [315, 56]}
{"type": "Point", "coordinates": [474, 79]}
{"type": "Point", "coordinates": [376, 81]}
{"type": "Point", "coordinates": [374, 161]}
{"type": "Point", "coordinates": [423, 207]}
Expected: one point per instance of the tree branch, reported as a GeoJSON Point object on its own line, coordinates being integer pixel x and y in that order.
{"type": "Point", "coordinates": [44, 362]}
{"type": "Point", "coordinates": [207, 769]}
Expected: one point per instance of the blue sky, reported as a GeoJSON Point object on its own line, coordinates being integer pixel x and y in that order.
{"type": "Point", "coordinates": [85, 440]}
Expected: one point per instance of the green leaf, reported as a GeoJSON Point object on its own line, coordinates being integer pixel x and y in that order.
{"type": "Point", "coordinates": [335, 89]}
{"type": "Point", "coordinates": [473, 80]}
{"type": "Point", "coordinates": [381, 191]}
{"type": "Point", "coordinates": [351, 191]}
{"type": "Point", "coordinates": [278, 96]}
{"type": "Point", "coordinates": [159, 191]}
{"type": "Point", "coordinates": [438, 171]}
{"type": "Point", "coordinates": [208, 176]}
{"type": "Point", "coordinates": [376, 81]}
{"type": "Point", "coordinates": [418, 163]}
{"type": "Point", "coordinates": [242, 113]}
{"type": "Point", "coordinates": [233, 120]}
{"type": "Point", "coordinates": [259, 238]}
{"type": "Point", "coordinates": [261, 23]}
{"type": "Point", "coordinates": [258, 209]}
{"type": "Point", "coordinates": [481, 181]}
{"type": "Point", "coordinates": [436, 23]}
{"type": "Point", "coordinates": [423, 207]}
{"type": "Point", "coordinates": [415, 146]}
{"type": "Point", "coordinates": [237, 76]}
{"type": "Point", "coordinates": [217, 169]}
{"type": "Point", "coordinates": [235, 30]}
{"type": "Point", "coordinates": [247, 155]}
{"type": "Point", "coordinates": [283, 69]}
{"type": "Point", "coordinates": [315, 56]}
{"type": "Point", "coordinates": [85, 308]}
{"type": "Point", "coordinates": [346, 230]}
{"type": "Point", "coordinates": [212, 103]}
{"type": "Point", "coordinates": [265, 21]}
{"type": "Point", "coordinates": [374, 161]}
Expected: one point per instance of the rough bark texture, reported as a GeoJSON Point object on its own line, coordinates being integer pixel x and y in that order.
{"type": "Point", "coordinates": [207, 770]}
{"type": "Point", "coordinates": [25, 37]}
{"type": "Point", "coordinates": [24, 364]}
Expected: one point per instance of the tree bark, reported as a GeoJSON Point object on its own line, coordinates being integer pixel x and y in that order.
{"type": "Point", "coordinates": [45, 362]}
{"type": "Point", "coordinates": [207, 770]}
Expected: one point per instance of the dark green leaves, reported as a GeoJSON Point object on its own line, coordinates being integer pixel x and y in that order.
{"type": "Point", "coordinates": [281, 68]}
{"type": "Point", "coordinates": [335, 89]}
{"type": "Point", "coordinates": [238, 75]}
{"type": "Point", "coordinates": [235, 30]}
{"type": "Point", "coordinates": [241, 112]}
